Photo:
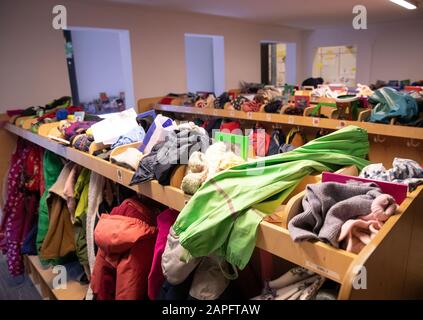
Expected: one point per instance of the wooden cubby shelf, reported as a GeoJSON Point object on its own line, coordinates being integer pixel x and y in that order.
{"type": "Point", "coordinates": [372, 128]}
{"type": "Point", "coordinates": [393, 240]}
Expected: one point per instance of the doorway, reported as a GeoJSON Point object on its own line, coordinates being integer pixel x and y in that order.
{"type": "Point", "coordinates": [277, 63]}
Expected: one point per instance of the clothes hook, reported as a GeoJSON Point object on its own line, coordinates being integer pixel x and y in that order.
{"type": "Point", "coordinates": [411, 143]}
{"type": "Point", "coordinates": [379, 139]}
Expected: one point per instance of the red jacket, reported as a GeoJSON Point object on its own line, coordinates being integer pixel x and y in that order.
{"type": "Point", "coordinates": [126, 241]}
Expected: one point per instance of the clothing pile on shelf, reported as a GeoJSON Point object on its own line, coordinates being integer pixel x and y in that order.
{"type": "Point", "coordinates": [343, 215]}
{"type": "Point", "coordinates": [129, 247]}
{"type": "Point", "coordinates": [265, 99]}
{"type": "Point", "coordinates": [349, 216]}
{"type": "Point", "coordinates": [405, 171]}
{"type": "Point", "coordinates": [390, 104]}
{"type": "Point", "coordinates": [296, 284]}
{"type": "Point", "coordinates": [228, 210]}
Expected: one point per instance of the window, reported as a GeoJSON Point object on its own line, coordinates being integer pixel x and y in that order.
{"type": "Point", "coordinates": [336, 64]}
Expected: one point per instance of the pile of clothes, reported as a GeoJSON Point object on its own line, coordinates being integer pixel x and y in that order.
{"type": "Point", "coordinates": [228, 210]}
{"type": "Point", "coordinates": [388, 103]}
{"type": "Point", "coordinates": [405, 171]}
{"type": "Point", "coordinates": [296, 284]}
{"type": "Point", "coordinates": [343, 215]}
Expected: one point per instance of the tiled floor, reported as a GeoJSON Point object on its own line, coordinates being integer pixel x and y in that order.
{"type": "Point", "coordinates": [20, 288]}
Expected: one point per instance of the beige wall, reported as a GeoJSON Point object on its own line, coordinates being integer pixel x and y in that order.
{"type": "Point", "coordinates": [390, 51]}
{"type": "Point", "coordinates": [32, 62]}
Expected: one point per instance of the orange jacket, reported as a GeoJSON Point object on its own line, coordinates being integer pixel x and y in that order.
{"type": "Point", "coordinates": [126, 241]}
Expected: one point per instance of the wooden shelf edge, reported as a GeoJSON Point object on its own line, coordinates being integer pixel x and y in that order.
{"type": "Point", "coordinates": [42, 279]}
{"type": "Point", "coordinates": [371, 128]}
{"type": "Point", "coordinates": [317, 256]}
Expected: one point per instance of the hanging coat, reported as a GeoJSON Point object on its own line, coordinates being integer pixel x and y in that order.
{"type": "Point", "coordinates": [155, 277]}
{"type": "Point", "coordinates": [52, 166]}
{"type": "Point", "coordinates": [126, 240]}
{"type": "Point", "coordinates": [81, 196]}
{"type": "Point", "coordinates": [59, 239]}
{"type": "Point", "coordinates": [229, 207]}
{"type": "Point", "coordinates": [21, 203]}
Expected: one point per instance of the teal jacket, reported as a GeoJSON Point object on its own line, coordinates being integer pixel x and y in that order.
{"type": "Point", "coordinates": [223, 215]}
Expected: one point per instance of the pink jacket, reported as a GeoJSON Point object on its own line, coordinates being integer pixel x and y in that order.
{"type": "Point", "coordinates": [155, 279]}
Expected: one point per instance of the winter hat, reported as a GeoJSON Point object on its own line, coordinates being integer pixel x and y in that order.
{"type": "Point", "coordinates": [197, 173]}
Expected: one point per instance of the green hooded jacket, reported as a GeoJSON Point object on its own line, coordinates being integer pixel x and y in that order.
{"type": "Point", "coordinates": [223, 215]}
{"type": "Point", "coordinates": [52, 166]}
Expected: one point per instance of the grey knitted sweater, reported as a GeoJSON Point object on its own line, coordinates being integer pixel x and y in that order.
{"type": "Point", "coordinates": [326, 206]}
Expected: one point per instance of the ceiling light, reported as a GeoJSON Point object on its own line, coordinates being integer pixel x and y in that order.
{"type": "Point", "coordinates": [405, 4]}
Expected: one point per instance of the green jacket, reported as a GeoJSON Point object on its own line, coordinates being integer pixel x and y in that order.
{"type": "Point", "coordinates": [52, 166]}
{"type": "Point", "coordinates": [223, 215]}
{"type": "Point", "coordinates": [81, 196]}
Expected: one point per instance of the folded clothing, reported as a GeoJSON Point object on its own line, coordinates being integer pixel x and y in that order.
{"type": "Point", "coordinates": [327, 206]}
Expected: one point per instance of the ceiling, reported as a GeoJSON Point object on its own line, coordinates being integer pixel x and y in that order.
{"type": "Point", "coordinates": [307, 14]}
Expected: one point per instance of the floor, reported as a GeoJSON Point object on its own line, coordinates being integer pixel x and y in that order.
{"type": "Point", "coordinates": [20, 288]}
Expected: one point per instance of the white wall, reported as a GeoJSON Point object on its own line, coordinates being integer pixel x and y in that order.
{"type": "Point", "coordinates": [199, 62]}
{"type": "Point", "coordinates": [389, 51]}
{"type": "Point", "coordinates": [291, 63]}
{"type": "Point", "coordinates": [33, 65]}
{"type": "Point", "coordinates": [219, 64]}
